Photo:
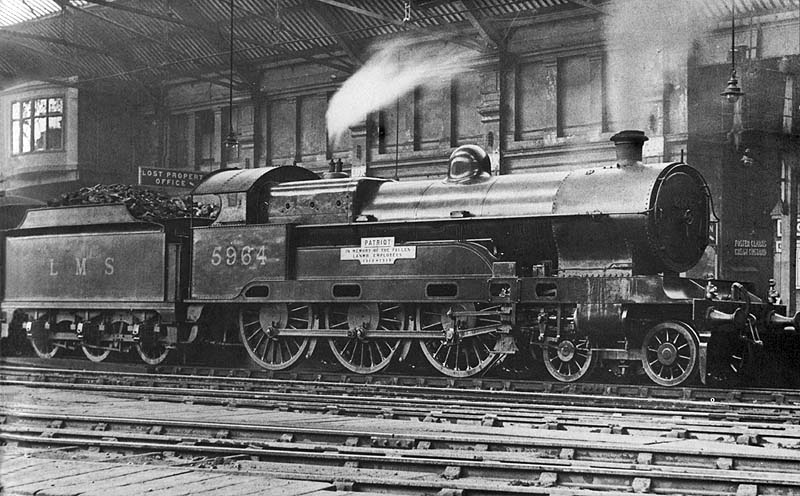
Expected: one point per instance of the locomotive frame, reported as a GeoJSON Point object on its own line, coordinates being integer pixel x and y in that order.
{"type": "Point", "coordinates": [571, 268]}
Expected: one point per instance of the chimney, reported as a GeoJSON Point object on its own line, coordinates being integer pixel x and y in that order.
{"type": "Point", "coordinates": [629, 145]}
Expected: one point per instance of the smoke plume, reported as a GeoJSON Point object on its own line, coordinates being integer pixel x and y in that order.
{"type": "Point", "coordinates": [648, 45]}
{"type": "Point", "coordinates": [395, 68]}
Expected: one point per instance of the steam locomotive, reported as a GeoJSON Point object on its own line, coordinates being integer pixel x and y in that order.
{"type": "Point", "coordinates": [572, 268]}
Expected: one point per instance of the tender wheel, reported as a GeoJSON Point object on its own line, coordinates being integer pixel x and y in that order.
{"type": "Point", "coordinates": [669, 353]}
{"type": "Point", "coordinates": [453, 355]}
{"type": "Point", "coordinates": [95, 353]}
{"type": "Point", "coordinates": [150, 349]}
{"type": "Point", "coordinates": [95, 348]}
{"type": "Point", "coordinates": [258, 330]}
{"type": "Point", "coordinates": [365, 352]}
{"type": "Point", "coordinates": [568, 359]}
{"type": "Point", "coordinates": [42, 341]}
{"type": "Point", "coordinates": [152, 353]}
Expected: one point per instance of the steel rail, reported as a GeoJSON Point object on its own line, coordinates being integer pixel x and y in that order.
{"type": "Point", "coordinates": [716, 399]}
{"type": "Point", "coordinates": [413, 401]}
{"type": "Point", "coordinates": [742, 404]}
{"type": "Point", "coordinates": [498, 441]}
{"type": "Point", "coordinates": [683, 424]}
{"type": "Point", "coordinates": [506, 470]}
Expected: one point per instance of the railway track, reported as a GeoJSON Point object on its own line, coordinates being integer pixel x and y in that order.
{"type": "Point", "coordinates": [508, 381]}
{"type": "Point", "coordinates": [475, 462]}
{"type": "Point", "coordinates": [644, 390]}
{"type": "Point", "coordinates": [727, 421]}
{"type": "Point", "coordinates": [409, 439]}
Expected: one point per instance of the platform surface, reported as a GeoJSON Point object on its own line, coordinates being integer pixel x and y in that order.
{"type": "Point", "coordinates": [26, 475]}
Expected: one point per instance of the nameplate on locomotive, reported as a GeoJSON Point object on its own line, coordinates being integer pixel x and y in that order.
{"type": "Point", "coordinates": [378, 251]}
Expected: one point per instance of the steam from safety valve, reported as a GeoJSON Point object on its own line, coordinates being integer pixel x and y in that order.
{"type": "Point", "coordinates": [395, 68]}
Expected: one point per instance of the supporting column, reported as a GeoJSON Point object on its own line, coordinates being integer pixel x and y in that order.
{"type": "Point", "coordinates": [489, 110]}
{"type": "Point", "coordinates": [216, 146]}
{"type": "Point", "coordinates": [792, 224]}
{"type": "Point", "coordinates": [298, 131]}
{"type": "Point", "coordinates": [190, 141]}
{"type": "Point", "coordinates": [267, 133]}
{"type": "Point", "coordinates": [258, 128]}
{"type": "Point", "coordinates": [653, 115]}
{"type": "Point", "coordinates": [790, 163]}
{"type": "Point", "coordinates": [788, 265]}
{"type": "Point", "coordinates": [359, 155]}
{"type": "Point", "coordinates": [551, 129]}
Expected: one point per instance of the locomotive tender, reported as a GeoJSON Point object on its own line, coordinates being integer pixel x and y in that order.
{"type": "Point", "coordinates": [574, 267]}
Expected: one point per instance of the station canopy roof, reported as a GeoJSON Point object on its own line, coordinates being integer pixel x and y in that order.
{"type": "Point", "coordinates": [136, 48]}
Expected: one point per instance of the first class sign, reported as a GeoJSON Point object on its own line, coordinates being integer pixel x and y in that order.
{"type": "Point", "coordinates": [170, 178]}
{"type": "Point", "coordinates": [750, 247]}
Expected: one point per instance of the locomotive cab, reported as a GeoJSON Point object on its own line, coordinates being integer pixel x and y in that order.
{"type": "Point", "coordinates": [242, 195]}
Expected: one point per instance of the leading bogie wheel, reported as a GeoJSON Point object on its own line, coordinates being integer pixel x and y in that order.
{"type": "Point", "coordinates": [568, 360]}
{"type": "Point", "coordinates": [670, 353]}
{"type": "Point", "coordinates": [453, 355]}
{"type": "Point", "coordinates": [259, 331]}
{"type": "Point", "coordinates": [364, 351]}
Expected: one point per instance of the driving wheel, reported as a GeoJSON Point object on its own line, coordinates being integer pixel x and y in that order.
{"type": "Point", "coordinates": [364, 351]}
{"type": "Point", "coordinates": [259, 330]}
{"type": "Point", "coordinates": [454, 355]}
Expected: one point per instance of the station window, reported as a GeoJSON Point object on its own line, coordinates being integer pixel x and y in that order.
{"type": "Point", "coordinates": [37, 125]}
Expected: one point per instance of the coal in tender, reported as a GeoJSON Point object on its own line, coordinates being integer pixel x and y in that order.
{"type": "Point", "coordinates": [142, 203]}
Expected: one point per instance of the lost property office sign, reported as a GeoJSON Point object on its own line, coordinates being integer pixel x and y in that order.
{"type": "Point", "coordinates": [170, 178]}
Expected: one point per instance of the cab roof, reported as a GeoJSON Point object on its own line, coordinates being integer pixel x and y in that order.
{"type": "Point", "coordinates": [242, 180]}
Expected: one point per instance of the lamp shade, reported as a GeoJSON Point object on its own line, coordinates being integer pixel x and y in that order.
{"type": "Point", "coordinates": [732, 90]}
